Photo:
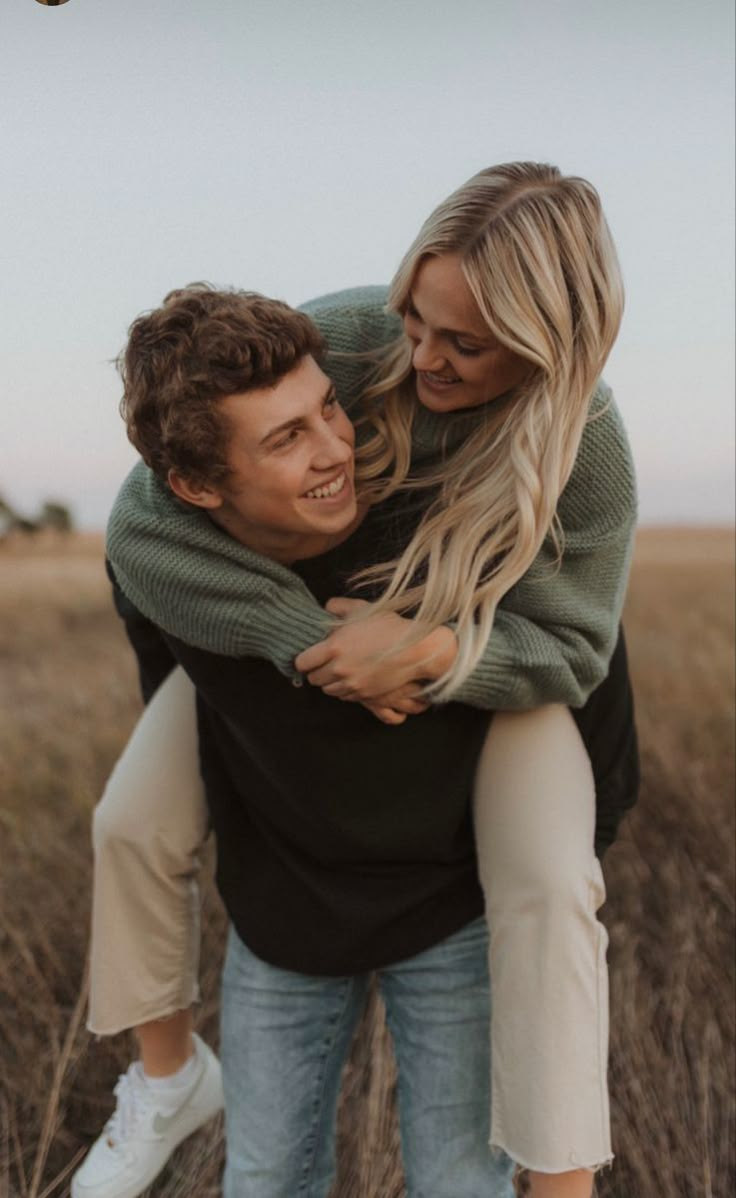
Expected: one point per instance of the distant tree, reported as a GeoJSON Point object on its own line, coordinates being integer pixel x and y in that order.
{"type": "Point", "coordinates": [10, 519]}
{"type": "Point", "coordinates": [53, 514]}
{"type": "Point", "coordinates": [56, 515]}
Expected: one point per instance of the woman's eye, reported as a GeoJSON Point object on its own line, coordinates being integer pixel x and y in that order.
{"type": "Point", "coordinates": [468, 351]}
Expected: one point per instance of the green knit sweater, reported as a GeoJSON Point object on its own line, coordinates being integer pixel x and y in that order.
{"type": "Point", "coordinates": [554, 631]}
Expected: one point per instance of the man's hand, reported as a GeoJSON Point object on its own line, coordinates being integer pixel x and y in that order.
{"type": "Point", "coordinates": [345, 665]}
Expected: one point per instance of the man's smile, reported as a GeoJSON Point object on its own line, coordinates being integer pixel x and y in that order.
{"type": "Point", "coordinates": [330, 490]}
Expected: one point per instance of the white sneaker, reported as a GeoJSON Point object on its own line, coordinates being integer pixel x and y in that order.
{"type": "Point", "coordinates": [143, 1131]}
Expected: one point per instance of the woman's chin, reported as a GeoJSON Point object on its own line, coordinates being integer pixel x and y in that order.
{"type": "Point", "coordinates": [442, 398]}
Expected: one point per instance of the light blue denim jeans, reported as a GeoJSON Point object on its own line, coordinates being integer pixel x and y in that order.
{"type": "Point", "coordinates": [285, 1039]}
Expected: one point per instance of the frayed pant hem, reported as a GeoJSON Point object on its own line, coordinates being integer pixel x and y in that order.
{"type": "Point", "coordinates": [573, 1162]}
{"type": "Point", "coordinates": [149, 1014]}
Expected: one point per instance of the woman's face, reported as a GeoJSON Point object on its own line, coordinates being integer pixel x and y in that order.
{"type": "Point", "coordinates": [458, 361]}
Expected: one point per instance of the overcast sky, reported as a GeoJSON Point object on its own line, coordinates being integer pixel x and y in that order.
{"type": "Point", "coordinates": [295, 147]}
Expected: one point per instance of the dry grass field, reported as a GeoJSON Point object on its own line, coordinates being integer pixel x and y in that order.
{"type": "Point", "coordinates": [67, 702]}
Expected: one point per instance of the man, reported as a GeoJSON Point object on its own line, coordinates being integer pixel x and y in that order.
{"type": "Point", "coordinates": [344, 846]}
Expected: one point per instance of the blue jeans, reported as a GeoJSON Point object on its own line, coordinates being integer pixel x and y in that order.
{"type": "Point", "coordinates": [285, 1039]}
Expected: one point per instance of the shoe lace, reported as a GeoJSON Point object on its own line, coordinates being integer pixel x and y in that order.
{"type": "Point", "coordinates": [131, 1100]}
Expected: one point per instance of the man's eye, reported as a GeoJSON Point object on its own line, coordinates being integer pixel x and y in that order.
{"type": "Point", "coordinates": [288, 439]}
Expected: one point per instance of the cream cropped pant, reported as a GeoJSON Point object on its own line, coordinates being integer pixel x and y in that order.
{"type": "Point", "coordinates": [534, 820]}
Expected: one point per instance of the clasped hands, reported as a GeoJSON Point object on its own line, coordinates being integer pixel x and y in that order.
{"type": "Point", "coordinates": [349, 663]}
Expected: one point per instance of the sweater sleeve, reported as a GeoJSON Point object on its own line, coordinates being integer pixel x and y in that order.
{"type": "Point", "coordinates": [555, 631]}
{"type": "Point", "coordinates": [194, 581]}
{"type": "Point", "coordinates": [355, 323]}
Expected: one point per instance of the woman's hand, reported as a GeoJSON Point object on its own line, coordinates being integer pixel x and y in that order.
{"type": "Point", "coordinates": [394, 708]}
{"type": "Point", "coordinates": [345, 666]}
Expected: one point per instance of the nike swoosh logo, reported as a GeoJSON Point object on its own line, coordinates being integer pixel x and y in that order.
{"type": "Point", "coordinates": [162, 1123]}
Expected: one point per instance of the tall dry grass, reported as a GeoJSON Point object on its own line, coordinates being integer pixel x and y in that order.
{"type": "Point", "coordinates": [67, 701]}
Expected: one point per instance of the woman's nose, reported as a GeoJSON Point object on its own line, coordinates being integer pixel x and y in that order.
{"type": "Point", "coordinates": [427, 355]}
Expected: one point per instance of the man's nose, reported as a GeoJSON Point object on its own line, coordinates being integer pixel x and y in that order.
{"type": "Point", "coordinates": [334, 449]}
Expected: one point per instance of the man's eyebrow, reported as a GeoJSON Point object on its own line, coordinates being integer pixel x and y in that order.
{"type": "Point", "coordinates": [297, 420]}
{"type": "Point", "coordinates": [464, 333]}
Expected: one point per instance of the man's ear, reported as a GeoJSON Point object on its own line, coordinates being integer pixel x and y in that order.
{"type": "Point", "coordinates": [199, 494]}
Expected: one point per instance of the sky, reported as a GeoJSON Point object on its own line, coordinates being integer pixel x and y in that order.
{"type": "Point", "coordinates": [294, 148]}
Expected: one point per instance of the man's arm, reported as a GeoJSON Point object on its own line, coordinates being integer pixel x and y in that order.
{"type": "Point", "coordinates": [154, 657]}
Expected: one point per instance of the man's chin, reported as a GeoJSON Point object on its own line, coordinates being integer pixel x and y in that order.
{"type": "Point", "coordinates": [342, 520]}
{"type": "Point", "coordinates": [337, 526]}
{"type": "Point", "coordinates": [334, 513]}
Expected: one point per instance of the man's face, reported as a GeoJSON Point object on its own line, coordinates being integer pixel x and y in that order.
{"type": "Point", "coordinates": [290, 493]}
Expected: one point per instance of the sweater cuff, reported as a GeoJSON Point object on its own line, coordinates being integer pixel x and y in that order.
{"type": "Point", "coordinates": [491, 684]}
{"type": "Point", "coordinates": [282, 630]}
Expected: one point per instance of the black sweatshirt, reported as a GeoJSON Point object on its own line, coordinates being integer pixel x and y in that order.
{"type": "Point", "coordinates": [344, 844]}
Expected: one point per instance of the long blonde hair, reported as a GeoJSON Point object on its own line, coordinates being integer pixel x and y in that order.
{"type": "Point", "coordinates": [539, 260]}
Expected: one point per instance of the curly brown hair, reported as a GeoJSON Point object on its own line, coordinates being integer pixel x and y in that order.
{"type": "Point", "coordinates": [183, 358]}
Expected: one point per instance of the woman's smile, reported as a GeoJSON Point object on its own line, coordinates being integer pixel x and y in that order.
{"type": "Point", "coordinates": [438, 380]}
{"type": "Point", "coordinates": [458, 361]}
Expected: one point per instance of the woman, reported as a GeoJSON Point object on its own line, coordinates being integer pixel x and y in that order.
{"type": "Point", "coordinates": [510, 299]}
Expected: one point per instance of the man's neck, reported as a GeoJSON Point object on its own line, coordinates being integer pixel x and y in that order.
{"type": "Point", "coordinates": [297, 550]}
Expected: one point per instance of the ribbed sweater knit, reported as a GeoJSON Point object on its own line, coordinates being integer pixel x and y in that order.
{"type": "Point", "coordinates": [554, 631]}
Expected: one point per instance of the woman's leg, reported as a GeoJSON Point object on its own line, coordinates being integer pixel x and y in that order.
{"type": "Point", "coordinates": [149, 828]}
{"type": "Point", "coordinates": [166, 1044]}
{"type": "Point", "coordinates": [534, 818]}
